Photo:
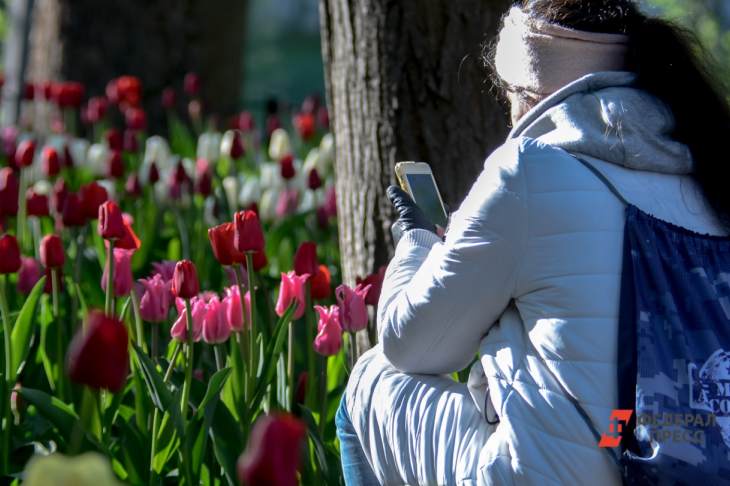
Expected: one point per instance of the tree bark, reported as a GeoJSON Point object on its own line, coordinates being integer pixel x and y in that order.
{"type": "Point", "coordinates": [405, 82]}
{"type": "Point", "coordinates": [158, 41]}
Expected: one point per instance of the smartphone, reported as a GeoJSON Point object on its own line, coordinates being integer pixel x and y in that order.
{"type": "Point", "coordinates": [417, 180]}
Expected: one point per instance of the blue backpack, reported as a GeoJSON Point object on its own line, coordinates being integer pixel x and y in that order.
{"type": "Point", "coordinates": [673, 417]}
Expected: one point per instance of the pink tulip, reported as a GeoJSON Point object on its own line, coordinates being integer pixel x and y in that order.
{"type": "Point", "coordinates": [28, 275]}
{"type": "Point", "coordinates": [353, 312]}
{"type": "Point", "coordinates": [165, 268]}
{"type": "Point", "coordinates": [329, 332]}
{"type": "Point", "coordinates": [216, 328]}
{"type": "Point", "coordinates": [122, 272]}
{"type": "Point", "coordinates": [232, 304]}
{"type": "Point", "coordinates": [179, 329]}
{"type": "Point", "coordinates": [287, 203]}
{"type": "Point", "coordinates": [155, 302]}
{"type": "Point", "coordinates": [292, 289]}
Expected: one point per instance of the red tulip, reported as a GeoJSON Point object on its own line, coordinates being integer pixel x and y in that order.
{"type": "Point", "coordinates": [272, 453]}
{"type": "Point", "coordinates": [185, 280]}
{"type": "Point", "coordinates": [127, 91]}
{"type": "Point", "coordinates": [305, 259]}
{"type": "Point", "coordinates": [191, 84]}
{"type": "Point", "coordinates": [248, 233]}
{"type": "Point", "coordinates": [129, 240]}
{"type": "Point", "coordinates": [154, 174]}
{"type": "Point", "coordinates": [58, 196]}
{"type": "Point", "coordinates": [98, 355]}
{"type": "Point", "coordinates": [9, 189]}
{"type": "Point", "coordinates": [68, 160]}
{"type": "Point", "coordinates": [132, 186]}
{"type": "Point", "coordinates": [313, 180]}
{"type": "Point", "coordinates": [36, 204]}
{"type": "Point", "coordinates": [286, 166]}
{"type": "Point", "coordinates": [93, 195]}
{"type": "Point", "coordinates": [50, 162]}
{"type": "Point", "coordinates": [114, 140]}
{"type": "Point", "coordinates": [9, 255]}
{"type": "Point", "coordinates": [25, 153]}
{"type": "Point", "coordinates": [375, 280]}
{"type": "Point", "coordinates": [73, 211]}
{"type": "Point", "coordinates": [259, 261]}
{"type": "Point", "coordinates": [131, 141]}
{"type": "Point", "coordinates": [28, 275]}
{"type": "Point", "coordinates": [323, 117]}
{"type": "Point", "coordinates": [237, 150]}
{"type": "Point", "coordinates": [244, 122]}
{"type": "Point", "coordinates": [203, 177]}
{"type": "Point", "coordinates": [68, 94]}
{"type": "Point", "coordinates": [272, 123]}
{"type": "Point", "coordinates": [304, 123]}
{"type": "Point", "coordinates": [115, 165]}
{"type": "Point", "coordinates": [52, 253]}
{"type": "Point", "coordinates": [111, 223]}
{"type": "Point", "coordinates": [168, 98]}
{"type": "Point", "coordinates": [96, 109]}
{"type": "Point", "coordinates": [222, 241]}
{"type": "Point", "coordinates": [321, 284]}
{"type": "Point", "coordinates": [135, 118]}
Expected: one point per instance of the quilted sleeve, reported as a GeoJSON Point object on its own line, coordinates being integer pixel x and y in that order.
{"type": "Point", "coordinates": [440, 298]}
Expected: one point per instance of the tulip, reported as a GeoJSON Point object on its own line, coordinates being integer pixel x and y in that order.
{"type": "Point", "coordinates": [125, 90]}
{"type": "Point", "coordinates": [203, 177]}
{"type": "Point", "coordinates": [132, 186]}
{"type": "Point", "coordinates": [245, 122]}
{"type": "Point", "coordinates": [52, 252]}
{"type": "Point", "coordinates": [111, 222]}
{"type": "Point", "coordinates": [114, 140]}
{"type": "Point", "coordinates": [313, 180]}
{"type": "Point", "coordinates": [329, 332]}
{"type": "Point", "coordinates": [96, 108]}
{"type": "Point", "coordinates": [129, 240]}
{"type": "Point", "coordinates": [131, 141]}
{"type": "Point", "coordinates": [321, 284]}
{"type": "Point", "coordinates": [323, 117]}
{"type": "Point", "coordinates": [273, 451]}
{"type": "Point", "coordinates": [305, 259]}
{"type": "Point", "coordinates": [68, 160]}
{"type": "Point", "coordinates": [9, 191]}
{"type": "Point", "coordinates": [25, 153]}
{"type": "Point", "coordinates": [185, 280]}
{"type": "Point", "coordinates": [248, 236]}
{"type": "Point", "coordinates": [50, 163]}
{"type": "Point", "coordinates": [9, 140]}
{"type": "Point", "coordinates": [93, 195]}
{"type": "Point", "coordinates": [153, 175]}
{"type": "Point", "coordinates": [155, 302]}
{"type": "Point", "coordinates": [135, 118]}
{"type": "Point", "coordinates": [232, 304]}
{"type": "Point", "coordinates": [165, 268]}
{"type": "Point", "coordinates": [216, 328]}
{"type": "Point", "coordinates": [9, 255]}
{"type": "Point", "coordinates": [353, 312]}
{"type": "Point", "coordinates": [330, 202]}
{"type": "Point", "coordinates": [231, 145]}
{"type": "Point", "coordinates": [67, 94]}
{"type": "Point", "coordinates": [375, 280]}
{"type": "Point", "coordinates": [88, 469]}
{"type": "Point", "coordinates": [28, 275]}
{"type": "Point", "coordinates": [286, 167]}
{"type": "Point", "coordinates": [191, 84]}
{"type": "Point", "coordinates": [291, 290]}
{"type": "Point", "coordinates": [115, 165]}
{"type": "Point", "coordinates": [36, 204]}
{"type": "Point", "coordinates": [222, 241]}
{"type": "Point", "coordinates": [122, 272]}
{"type": "Point", "coordinates": [179, 330]}
{"type": "Point", "coordinates": [311, 104]}
{"type": "Point", "coordinates": [305, 125]}
{"type": "Point", "coordinates": [272, 125]}
{"type": "Point", "coordinates": [259, 261]}
{"type": "Point", "coordinates": [167, 100]}
{"type": "Point", "coordinates": [73, 213]}
{"type": "Point", "coordinates": [98, 355]}
{"type": "Point", "coordinates": [287, 203]}
{"type": "Point", "coordinates": [58, 196]}
{"type": "Point", "coordinates": [279, 146]}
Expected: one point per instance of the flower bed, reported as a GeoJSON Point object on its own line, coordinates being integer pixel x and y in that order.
{"type": "Point", "coordinates": [172, 308]}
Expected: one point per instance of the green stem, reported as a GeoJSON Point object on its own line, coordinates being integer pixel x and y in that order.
{"type": "Point", "coordinates": [290, 367]}
{"type": "Point", "coordinates": [60, 334]}
{"type": "Point", "coordinates": [138, 322]}
{"type": "Point", "coordinates": [154, 341]}
{"type": "Point", "coordinates": [54, 290]}
{"type": "Point", "coordinates": [189, 369]}
{"type": "Point", "coordinates": [244, 338]}
{"type": "Point", "coordinates": [182, 229]}
{"type": "Point", "coordinates": [153, 445]}
{"type": "Point", "coordinates": [21, 231]}
{"type": "Point", "coordinates": [82, 425]}
{"type": "Point", "coordinates": [220, 361]}
{"type": "Point", "coordinates": [109, 279]}
{"type": "Point", "coordinates": [322, 395]}
{"type": "Point", "coordinates": [171, 366]}
{"type": "Point", "coordinates": [252, 328]}
{"type": "Point", "coordinates": [309, 325]}
{"type": "Point", "coordinates": [8, 385]}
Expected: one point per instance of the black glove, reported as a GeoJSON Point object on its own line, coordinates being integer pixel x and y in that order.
{"type": "Point", "coordinates": [410, 215]}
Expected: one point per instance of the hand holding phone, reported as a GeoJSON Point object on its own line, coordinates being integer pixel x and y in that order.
{"type": "Point", "coordinates": [417, 180]}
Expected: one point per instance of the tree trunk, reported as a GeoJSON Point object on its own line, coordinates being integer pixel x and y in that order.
{"type": "Point", "coordinates": [158, 41]}
{"type": "Point", "coordinates": [405, 82]}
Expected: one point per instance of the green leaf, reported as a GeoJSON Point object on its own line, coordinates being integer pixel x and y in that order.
{"type": "Point", "coordinates": [23, 330]}
{"type": "Point", "coordinates": [160, 395]}
{"type": "Point", "coordinates": [168, 442]}
{"type": "Point", "coordinates": [228, 441]}
{"type": "Point", "coordinates": [215, 384]}
{"type": "Point", "coordinates": [60, 414]}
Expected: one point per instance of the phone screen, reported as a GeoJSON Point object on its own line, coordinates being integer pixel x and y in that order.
{"type": "Point", "coordinates": [424, 193]}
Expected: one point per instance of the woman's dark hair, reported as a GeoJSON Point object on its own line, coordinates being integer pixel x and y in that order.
{"type": "Point", "coordinates": [671, 65]}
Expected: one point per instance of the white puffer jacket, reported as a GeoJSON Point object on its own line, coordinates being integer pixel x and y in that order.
{"type": "Point", "coordinates": [529, 279]}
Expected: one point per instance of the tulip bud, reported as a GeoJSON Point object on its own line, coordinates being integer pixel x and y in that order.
{"type": "Point", "coordinates": [313, 180]}
{"type": "Point", "coordinates": [98, 355]}
{"type": "Point", "coordinates": [135, 118]}
{"type": "Point", "coordinates": [231, 145]}
{"type": "Point", "coordinates": [320, 286]}
{"type": "Point", "coordinates": [216, 328]}
{"type": "Point", "coordinates": [286, 166]}
{"type": "Point", "coordinates": [305, 125]}
{"type": "Point", "coordinates": [36, 204]}
{"type": "Point", "coordinates": [305, 259]}
{"type": "Point", "coordinates": [9, 191]}
{"type": "Point", "coordinates": [245, 122]}
{"type": "Point", "coordinates": [272, 125]}
{"type": "Point", "coordinates": [329, 332]}
{"type": "Point", "coordinates": [375, 280]}
{"type": "Point", "coordinates": [50, 162]}
{"type": "Point", "coordinates": [203, 178]}
{"type": "Point", "coordinates": [222, 241]}
{"type": "Point", "coordinates": [123, 279]}
{"type": "Point", "coordinates": [132, 186]}
{"type": "Point", "coordinates": [191, 84]}
{"type": "Point", "coordinates": [28, 275]}
{"type": "Point", "coordinates": [232, 303]}
{"type": "Point", "coordinates": [114, 140]}
{"type": "Point", "coordinates": [248, 234]}
{"type": "Point", "coordinates": [168, 98]}
{"type": "Point", "coordinates": [52, 253]}
{"type": "Point", "coordinates": [291, 290]}
{"type": "Point", "coordinates": [25, 153]}
{"type": "Point", "coordinates": [58, 195]}
{"type": "Point", "coordinates": [68, 160]}
{"type": "Point", "coordinates": [111, 223]}
{"type": "Point", "coordinates": [131, 141]}
{"type": "Point", "coordinates": [155, 302]}
{"type": "Point", "coordinates": [179, 329]}
{"type": "Point", "coordinates": [9, 255]}
{"type": "Point", "coordinates": [93, 195]}
{"type": "Point", "coordinates": [185, 280]}
{"type": "Point", "coordinates": [279, 146]}
{"type": "Point", "coordinates": [115, 165]}
{"type": "Point", "coordinates": [154, 174]}
{"type": "Point", "coordinates": [129, 240]}
{"type": "Point", "coordinates": [353, 313]}
{"type": "Point", "coordinates": [73, 211]}
{"type": "Point", "coordinates": [273, 451]}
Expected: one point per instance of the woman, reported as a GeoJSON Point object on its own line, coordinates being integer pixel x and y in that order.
{"type": "Point", "coordinates": [529, 274]}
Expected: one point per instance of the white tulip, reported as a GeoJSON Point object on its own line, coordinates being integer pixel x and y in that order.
{"type": "Point", "coordinates": [156, 150]}
{"type": "Point", "coordinates": [279, 146]}
{"type": "Point", "coordinates": [327, 151]}
{"type": "Point", "coordinates": [209, 146]}
{"type": "Point", "coordinates": [230, 187]}
{"type": "Point", "coordinates": [271, 176]}
{"type": "Point", "coordinates": [97, 159]}
{"type": "Point", "coordinates": [267, 205]}
{"type": "Point", "coordinates": [250, 192]}
{"type": "Point", "coordinates": [78, 148]}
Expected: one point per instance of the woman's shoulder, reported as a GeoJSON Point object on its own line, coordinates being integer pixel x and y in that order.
{"type": "Point", "coordinates": [523, 156]}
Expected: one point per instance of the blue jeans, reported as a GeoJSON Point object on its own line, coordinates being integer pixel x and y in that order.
{"type": "Point", "coordinates": [355, 466]}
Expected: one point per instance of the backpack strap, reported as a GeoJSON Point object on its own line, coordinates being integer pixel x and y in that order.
{"type": "Point", "coordinates": [603, 179]}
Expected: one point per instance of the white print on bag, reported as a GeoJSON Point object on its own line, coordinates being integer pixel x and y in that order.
{"type": "Point", "coordinates": [709, 389]}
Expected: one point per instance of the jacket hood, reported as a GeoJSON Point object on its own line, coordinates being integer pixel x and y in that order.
{"type": "Point", "coordinates": [602, 115]}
